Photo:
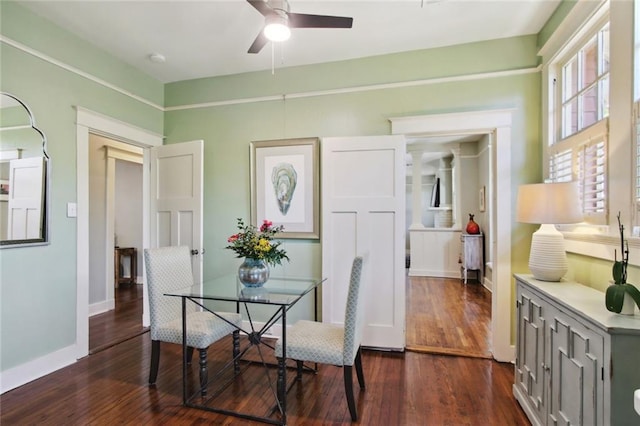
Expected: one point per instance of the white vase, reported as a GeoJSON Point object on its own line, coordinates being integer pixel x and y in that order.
{"type": "Point", "coordinates": [628, 305]}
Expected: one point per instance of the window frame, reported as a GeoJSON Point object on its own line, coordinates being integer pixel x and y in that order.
{"type": "Point", "coordinates": [557, 143]}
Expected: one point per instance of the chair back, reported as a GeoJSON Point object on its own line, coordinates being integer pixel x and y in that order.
{"type": "Point", "coordinates": [168, 269]}
{"type": "Point", "coordinates": [354, 313]}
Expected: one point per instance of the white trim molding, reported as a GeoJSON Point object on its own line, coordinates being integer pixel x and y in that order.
{"type": "Point", "coordinates": [497, 124]}
{"type": "Point", "coordinates": [87, 122]}
{"type": "Point", "coordinates": [77, 71]}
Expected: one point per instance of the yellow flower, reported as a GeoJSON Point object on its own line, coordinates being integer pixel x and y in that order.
{"type": "Point", "coordinates": [263, 245]}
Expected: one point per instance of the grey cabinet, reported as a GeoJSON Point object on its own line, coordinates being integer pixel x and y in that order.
{"type": "Point", "coordinates": [576, 362]}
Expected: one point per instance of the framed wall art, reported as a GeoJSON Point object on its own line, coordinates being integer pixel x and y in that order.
{"type": "Point", "coordinates": [285, 185]}
{"type": "Point", "coordinates": [482, 199]}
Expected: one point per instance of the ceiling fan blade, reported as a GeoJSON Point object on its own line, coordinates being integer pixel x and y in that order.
{"type": "Point", "coordinates": [258, 43]}
{"type": "Point", "coordinates": [261, 6]}
{"type": "Point", "coordinates": [302, 20]}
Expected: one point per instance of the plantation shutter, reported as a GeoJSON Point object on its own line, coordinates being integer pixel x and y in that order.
{"type": "Point", "coordinates": [582, 157]}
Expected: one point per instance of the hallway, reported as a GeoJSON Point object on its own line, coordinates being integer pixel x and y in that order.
{"type": "Point", "coordinates": [116, 326]}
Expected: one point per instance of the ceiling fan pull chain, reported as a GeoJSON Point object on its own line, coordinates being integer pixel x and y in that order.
{"type": "Point", "coordinates": [273, 70]}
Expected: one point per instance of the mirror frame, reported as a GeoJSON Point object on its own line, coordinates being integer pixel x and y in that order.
{"type": "Point", "coordinates": [44, 237]}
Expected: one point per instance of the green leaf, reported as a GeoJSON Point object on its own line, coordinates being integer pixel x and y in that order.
{"type": "Point", "coordinates": [618, 272]}
{"type": "Point", "coordinates": [633, 292]}
{"type": "Point", "coordinates": [614, 297]}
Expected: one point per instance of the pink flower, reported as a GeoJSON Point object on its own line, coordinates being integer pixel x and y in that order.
{"type": "Point", "coordinates": [266, 224]}
{"type": "Point", "coordinates": [233, 238]}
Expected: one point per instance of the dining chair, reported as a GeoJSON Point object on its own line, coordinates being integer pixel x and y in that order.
{"type": "Point", "coordinates": [169, 269]}
{"type": "Point", "coordinates": [333, 344]}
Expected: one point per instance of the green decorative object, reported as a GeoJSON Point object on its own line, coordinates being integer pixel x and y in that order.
{"type": "Point", "coordinates": [620, 289]}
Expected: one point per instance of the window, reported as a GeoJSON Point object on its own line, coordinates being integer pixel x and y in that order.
{"type": "Point", "coordinates": [579, 150]}
{"type": "Point", "coordinates": [585, 85]}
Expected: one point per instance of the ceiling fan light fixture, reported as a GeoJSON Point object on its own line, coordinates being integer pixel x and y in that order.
{"type": "Point", "coordinates": [276, 27]}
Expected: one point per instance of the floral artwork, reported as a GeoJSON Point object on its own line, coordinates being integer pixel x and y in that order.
{"type": "Point", "coordinates": [258, 243]}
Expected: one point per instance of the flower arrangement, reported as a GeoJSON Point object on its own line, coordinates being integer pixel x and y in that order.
{"type": "Point", "coordinates": [614, 296]}
{"type": "Point", "coordinates": [251, 242]}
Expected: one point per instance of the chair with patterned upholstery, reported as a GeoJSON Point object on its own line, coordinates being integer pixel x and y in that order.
{"type": "Point", "coordinates": [330, 343]}
{"type": "Point", "coordinates": [169, 269]}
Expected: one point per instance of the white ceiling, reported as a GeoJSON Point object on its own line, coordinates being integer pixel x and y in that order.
{"type": "Point", "coordinates": [210, 38]}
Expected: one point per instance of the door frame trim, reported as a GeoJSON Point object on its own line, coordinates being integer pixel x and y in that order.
{"type": "Point", "coordinates": [496, 123]}
{"type": "Point", "coordinates": [87, 122]}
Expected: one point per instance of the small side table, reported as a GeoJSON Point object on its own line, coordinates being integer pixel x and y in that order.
{"type": "Point", "coordinates": [132, 254]}
{"type": "Point", "coordinates": [472, 256]}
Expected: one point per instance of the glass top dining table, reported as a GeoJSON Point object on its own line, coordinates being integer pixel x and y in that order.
{"type": "Point", "coordinates": [281, 294]}
{"type": "Point", "coordinates": [276, 291]}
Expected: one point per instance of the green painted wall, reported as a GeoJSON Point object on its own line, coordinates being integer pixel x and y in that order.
{"type": "Point", "coordinates": [38, 284]}
{"type": "Point", "coordinates": [228, 130]}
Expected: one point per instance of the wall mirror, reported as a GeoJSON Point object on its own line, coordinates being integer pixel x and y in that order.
{"type": "Point", "coordinates": [24, 166]}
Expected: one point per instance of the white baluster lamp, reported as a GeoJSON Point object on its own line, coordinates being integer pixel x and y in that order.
{"type": "Point", "coordinates": [548, 204]}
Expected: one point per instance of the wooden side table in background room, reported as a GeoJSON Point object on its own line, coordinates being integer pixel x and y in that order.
{"type": "Point", "coordinates": [132, 254]}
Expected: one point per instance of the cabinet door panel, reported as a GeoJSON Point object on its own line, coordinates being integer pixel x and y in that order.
{"type": "Point", "coordinates": [531, 349]}
{"type": "Point", "coordinates": [576, 355]}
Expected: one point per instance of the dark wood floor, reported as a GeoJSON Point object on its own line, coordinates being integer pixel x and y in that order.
{"type": "Point", "coordinates": [122, 323]}
{"type": "Point", "coordinates": [407, 388]}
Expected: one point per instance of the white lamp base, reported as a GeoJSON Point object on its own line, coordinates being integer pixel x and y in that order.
{"type": "Point", "coordinates": [548, 259]}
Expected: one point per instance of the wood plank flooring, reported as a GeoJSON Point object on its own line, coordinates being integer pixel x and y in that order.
{"type": "Point", "coordinates": [446, 316]}
{"type": "Point", "coordinates": [407, 388]}
{"type": "Point", "coordinates": [122, 323]}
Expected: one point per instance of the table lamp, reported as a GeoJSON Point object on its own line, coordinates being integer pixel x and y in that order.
{"type": "Point", "coordinates": [548, 204]}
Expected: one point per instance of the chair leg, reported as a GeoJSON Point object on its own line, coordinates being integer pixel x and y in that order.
{"type": "Point", "coordinates": [203, 371]}
{"type": "Point", "coordinates": [348, 390]}
{"type": "Point", "coordinates": [358, 364]}
{"type": "Point", "coordinates": [299, 367]}
{"type": "Point", "coordinates": [236, 351]}
{"type": "Point", "coordinates": [155, 361]}
{"type": "Point", "coordinates": [189, 354]}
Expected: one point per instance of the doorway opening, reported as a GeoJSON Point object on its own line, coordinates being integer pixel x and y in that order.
{"type": "Point", "coordinates": [115, 247]}
{"type": "Point", "coordinates": [447, 177]}
{"type": "Point", "coordinates": [497, 125]}
{"type": "Point", "coordinates": [88, 123]}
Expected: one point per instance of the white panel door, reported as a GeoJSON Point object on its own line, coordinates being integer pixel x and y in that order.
{"type": "Point", "coordinates": [176, 191]}
{"type": "Point", "coordinates": [363, 212]}
{"type": "Point", "coordinates": [26, 181]}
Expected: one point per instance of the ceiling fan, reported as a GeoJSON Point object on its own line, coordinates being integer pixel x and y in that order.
{"type": "Point", "coordinates": [279, 21]}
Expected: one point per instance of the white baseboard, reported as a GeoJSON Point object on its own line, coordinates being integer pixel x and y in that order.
{"type": "Point", "coordinates": [488, 284]}
{"type": "Point", "coordinates": [101, 307]}
{"type": "Point", "coordinates": [32, 370]}
{"type": "Point", "coordinates": [415, 272]}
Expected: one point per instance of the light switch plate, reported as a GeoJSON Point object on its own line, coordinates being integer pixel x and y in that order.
{"type": "Point", "coordinates": [72, 210]}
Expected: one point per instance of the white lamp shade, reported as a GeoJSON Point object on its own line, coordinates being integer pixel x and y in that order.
{"type": "Point", "coordinates": [555, 203]}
